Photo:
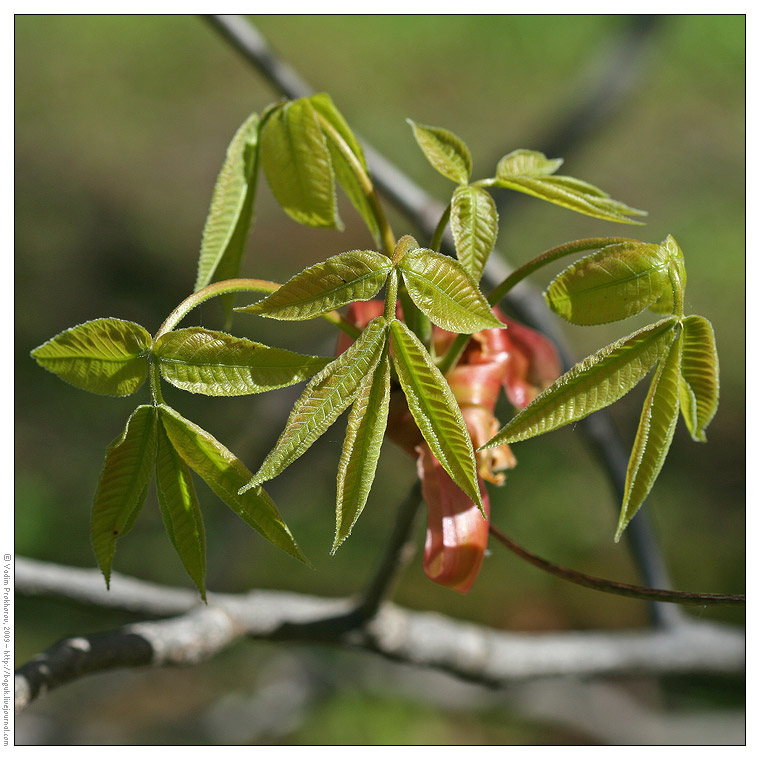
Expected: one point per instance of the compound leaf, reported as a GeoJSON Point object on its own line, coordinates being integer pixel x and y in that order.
{"type": "Point", "coordinates": [327, 395]}
{"type": "Point", "coordinates": [654, 435]}
{"type": "Point", "coordinates": [180, 510]}
{"type": "Point", "coordinates": [616, 282]}
{"type": "Point", "coordinates": [231, 211]}
{"type": "Point", "coordinates": [699, 384]}
{"type": "Point", "coordinates": [596, 382]}
{"type": "Point", "coordinates": [225, 474]}
{"type": "Point", "coordinates": [361, 447]}
{"type": "Point", "coordinates": [526, 163]}
{"type": "Point", "coordinates": [296, 161]}
{"type": "Point", "coordinates": [105, 356]}
{"type": "Point", "coordinates": [435, 410]}
{"type": "Point", "coordinates": [123, 485]}
{"type": "Point", "coordinates": [441, 288]}
{"type": "Point", "coordinates": [341, 279]}
{"type": "Point", "coordinates": [446, 152]}
{"type": "Point", "coordinates": [217, 364]}
{"type": "Point", "coordinates": [474, 225]}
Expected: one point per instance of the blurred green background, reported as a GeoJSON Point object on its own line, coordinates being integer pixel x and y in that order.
{"type": "Point", "coordinates": [121, 125]}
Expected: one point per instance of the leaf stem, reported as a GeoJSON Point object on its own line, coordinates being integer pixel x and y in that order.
{"type": "Point", "coordinates": [437, 239]}
{"type": "Point", "coordinates": [613, 587]}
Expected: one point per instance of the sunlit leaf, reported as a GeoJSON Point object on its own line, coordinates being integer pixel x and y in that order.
{"type": "Point", "coordinates": [571, 193]}
{"type": "Point", "coordinates": [345, 175]}
{"type": "Point", "coordinates": [217, 364]}
{"type": "Point", "coordinates": [435, 410]}
{"type": "Point", "coordinates": [327, 395]}
{"type": "Point", "coordinates": [441, 289]}
{"type": "Point", "coordinates": [654, 435]}
{"type": "Point", "coordinates": [123, 485]}
{"type": "Point", "coordinates": [105, 356]}
{"type": "Point", "coordinates": [225, 474]}
{"type": "Point", "coordinates": [361, 447]}
{"type": "Point", "coordinates": [230, 215]}
{"type": "Point", "coordinates": [677, 274]}
{"type": "Point", "coordinates": [446, 152]}
{"type": "Point", "coordinates": [474, 225]}
{"type": "Point", "coordinates": [614, 283]}
{"type": "Point", "coordinates": [296, 161]}
{"type": "Point", "coordinates": [180, 510]}
{"type": "Point", "coordinates": [526, 163]}
{"type": "Point", "coordinates": [699, 376]}
{"type": "Point", "coordinates": [341, 279]}
{"type": "Point", "coordinates": [596, 382]}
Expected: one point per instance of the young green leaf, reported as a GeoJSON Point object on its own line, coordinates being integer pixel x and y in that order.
{"type": "Point", "coordinates": [344, 172]}
{"type": "Point", "coordinates": [699, 385]}
{"type": "Point", "coordinates": [435, 410]}
{"type": "Point", "coordinates": [105, 356]}
{"type": "Point", "coordinates": [571, 193]}
{"type": "Point", "coordinates": [296, 161]}
{"type": "Point", "coordinates": [217, 364]}
{"type": "Point", "coordinates": [341, 279]}
{"type": "Point", "coordinates": [441, 289]}
{"type": "Point", "coordinates": [594, 383]}
{"type": "Point", "coordinates": [361, 447]}
{"type": "Point", "coordinates": [326, 396]}
{"type": "Point", "coordinates": [616, 282]}
{"type": "Point", "coordinates": [474, 225]}
{"type": "Point", "coordinates": [446, 152]}
{"type": "Point", "coordinates": [654, 435]}
{"type": "Point", "coordinates": [526, 163]}
{"type": "Point", "coordinates": [180, 510]}
{"type": "Point", "coordinates": [230, 215]}
{"type": "Point", "coordinates": [672, 297]}
{"type": "Point", "coordinates": [123, 485]}
{"type": "Point", "coordinates": [225, 474]}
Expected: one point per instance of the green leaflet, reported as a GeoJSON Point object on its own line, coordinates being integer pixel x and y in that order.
{"type": "Point", "coordinates": [528, 163]}
{"type": "Point", "coordinates": [230, 215]}
{"type": "Point", "coordinates": [105, 356]}
{"type": "Point", "coordinates": [217, 364]}
{"type": "Point", "coordinates": [326, 396]}
{"type": "Point", "coordinates": [571, 193]}
{"type": "Point", "coordinates": [341, 279]}
{"type": "Point", "coordinates": [445, 151]}
{"type": "Point", "coordinates": [361, 447]}
{"type": "Point", "coordinates": [296, 161]}
{"type": "Point", "coordinates": [616, 282]}
{"type": "Point", "coordinates": [123, 485]}
{"type": "Point", "coordinates": [672, 297]}
{"type": "Point", "coordinates": [441, 288]}
{"type": "Point", "coordinates": [654, 435]}
{"type": "Point", "coordinates": [435, 410]}
{"type": "Point", "coordinates": [474, 225]}
{"type": "Point", "coordinates": [180, 510]}
{"type": "Point", "coordinates": [344, 173]}
{"type": "Point", "coordinates": [699, 384]}
{"type": "Point", "coordinates": [225, 474]}
{"type": "Point", "coordinates": [594, 383]}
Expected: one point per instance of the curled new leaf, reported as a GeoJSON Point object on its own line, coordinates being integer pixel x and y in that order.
{"type": "Point", "coordinates": [444, 292]}
{"type": "Point", "coordinates": [123, 485]}
{"type": "Point", "coordinates": [180, 510]}
{"type": "Point", "coordinates": [474, 225]}
{"type": "Point", "coordinates": [596, 382]}
{"type": "Point", "coordinates": [435, 409]}
{"type": "Point", "coordinates": [225, 474]}
{"type": "Point", "coordinates": [327, 395]}
{"type": "Point", "coordinates": [341, 279]}
{"type": "Point", "coordinates": [654, 435]}
{"type": "Point", "coordinates": [217, 364]}
{"type": "Point", "coordinates": [446, 152]}
{"type": "Point", "coordinates": [699, 384]}
{"type": "Point", "coordinates": [105, 356]}
{"type": "Point", "coordinates": [297, 164]}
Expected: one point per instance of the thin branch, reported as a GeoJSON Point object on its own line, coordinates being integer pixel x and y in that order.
{"type": "Point", "coordinates": [615, 587]}
{"type": "Point", "coordinates": [471, 652]}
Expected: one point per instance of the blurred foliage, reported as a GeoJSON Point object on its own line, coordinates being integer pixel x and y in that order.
{"type": "Point", "coordinates": [121, 124]}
